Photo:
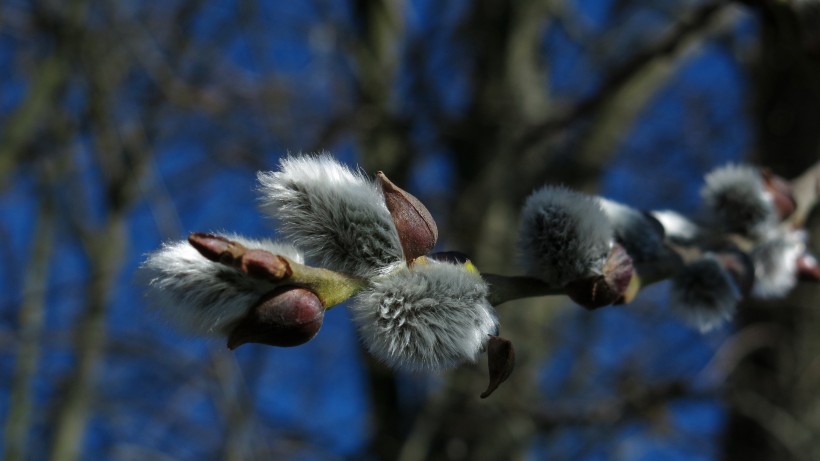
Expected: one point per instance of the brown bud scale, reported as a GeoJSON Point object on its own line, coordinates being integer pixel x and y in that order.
{"type": "Point", "coordinates": [258, 264]}
{"type": "Point", "coordinates": [416, 227]}
{"type": "Point", "coordinates": [285, 317]}
{"type": "Point", "coordinates": [501, 362]}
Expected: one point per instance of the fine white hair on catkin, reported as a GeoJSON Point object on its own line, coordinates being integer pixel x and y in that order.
{"type": "Point", "coordinates": [704, 294]}
{"type": "Point", "coordinates": [427, 317]}
{"type": "Point", "coordinates": [563, 235]}
{"type": "Point", "coordinates": [199, 296]}
{"type": "Point", "coordinates": [775, 262]}
{"type": "Point", "coordinates": [736, 200]}
{"type": "Point", "coordinates": [337, 217]}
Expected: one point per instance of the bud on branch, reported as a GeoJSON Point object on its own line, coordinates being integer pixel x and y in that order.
{"type": "Point", "coordinates": [370, 241]}
{"type": "Point", "coordinates": [331, 287]}
{"type": "Point", "coordinates": [285, 317]}
{"type": "Point", "coordinates": [416, 228]}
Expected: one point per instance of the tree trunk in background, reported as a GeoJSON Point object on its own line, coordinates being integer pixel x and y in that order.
{"type": "Point", "coordinates": [20, 417]}
{"type": "Point", "coordinates": [496, 170]}
{"type": "Point", "coordinates": [772, 394]}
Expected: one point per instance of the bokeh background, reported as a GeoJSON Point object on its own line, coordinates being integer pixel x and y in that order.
{"type": "Point", "coordinates": [125, 124]}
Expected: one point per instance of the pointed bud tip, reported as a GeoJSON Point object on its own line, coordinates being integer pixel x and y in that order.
{"type": "Point", "coordinates": [501, 362]}
{"type": "Point", "coordinates": [208, 245]}
{"type": "Point", "coordinates": [417, 229]}
{"type": "Point", "coordinates": [216, 248]}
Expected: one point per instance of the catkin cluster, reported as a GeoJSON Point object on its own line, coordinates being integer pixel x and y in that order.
{"type": "Point", "coordinates": [415, 309]}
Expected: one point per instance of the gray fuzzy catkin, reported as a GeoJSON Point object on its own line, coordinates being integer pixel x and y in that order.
{"type": "Point", "coordinates": [200, 296]}
{"type": "Point", "coordinates": [563, 235]}
{"type": "Point", "coordinates": [337, 217]}
{"type": "Point", "coordinates": [430, 316]}
{"type": "Point", "coordinates": [704, 294]}
{"type": "Point", "coordinates": [736, 200]}
{"type": "Point", "coordinates": [775, 262]}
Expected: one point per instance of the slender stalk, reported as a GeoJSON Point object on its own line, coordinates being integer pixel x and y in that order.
{"type": "Point", "coordinates": [505, 288]}
{"type": "Point", "coordinates": [331, 287]}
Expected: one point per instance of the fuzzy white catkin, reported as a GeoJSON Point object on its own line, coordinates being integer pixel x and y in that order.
{"type": "Point", "coordinates": [563, 235]}
{"type": "Point", "coordinates": [200, 296]}
{"type": "Point", "coordinates": [775, 262]}
{"type": "Point", "coordinates": [704, 294]}
{"type": "Point", "coordinates": [737, 200]}
{"type": "Point", "coordinates": [427, 317]}
{"type": "Point", "coordinates": [337, 217]}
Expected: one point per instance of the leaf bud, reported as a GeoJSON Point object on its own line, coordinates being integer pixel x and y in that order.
{"type": "Point", "coordinates": [416, 227]}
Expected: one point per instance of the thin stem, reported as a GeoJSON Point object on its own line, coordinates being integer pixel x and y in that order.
{"type": "Point", "coordinates": [505, 288]}
{"type": "Point", "coordinates": [330, 287]}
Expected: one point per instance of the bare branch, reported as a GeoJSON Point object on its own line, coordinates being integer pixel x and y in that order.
{"type": "Point", "coordinates": [32, 310]}
{"type": "Point", "coordinates": [639, 67]}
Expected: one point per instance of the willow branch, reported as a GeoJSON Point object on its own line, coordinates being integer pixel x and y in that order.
{"type": "Point", "coordinates": [505, 288]}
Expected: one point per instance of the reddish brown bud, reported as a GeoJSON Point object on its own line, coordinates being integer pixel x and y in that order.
{"type": "Point", "coordinates": [607, 288]}
{"type": "Point", "coordinates": [500, 360]}
{"type": "Point", "coordinates": [259, 264]}
{"type": "Point", "coordinates": [286, 316]}
{"type": "Point", "coordinates": [781, 192]}
{"type": "Point", "coordinates": [265, 265]}
{"type": "Point", "coordinates": [417, 229]}
{"type": "Point", "coordinates": [216, 248]}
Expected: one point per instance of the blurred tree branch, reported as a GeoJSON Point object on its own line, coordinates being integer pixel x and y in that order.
{"type": "Point", "coordinates": [30, 331]}
{"type": "Point", "coordinates": [640, 65]}
{"type": "Point", "coordinates": [384, 146]}
{"type": "Point", "coordinates": [634, 85]}
{"type": "Point", "coordinates": [104, 238]}
{"type": "Point", "coordinates": [53, 72]}
{"type": "Point", "coordinates": [639, 400]}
